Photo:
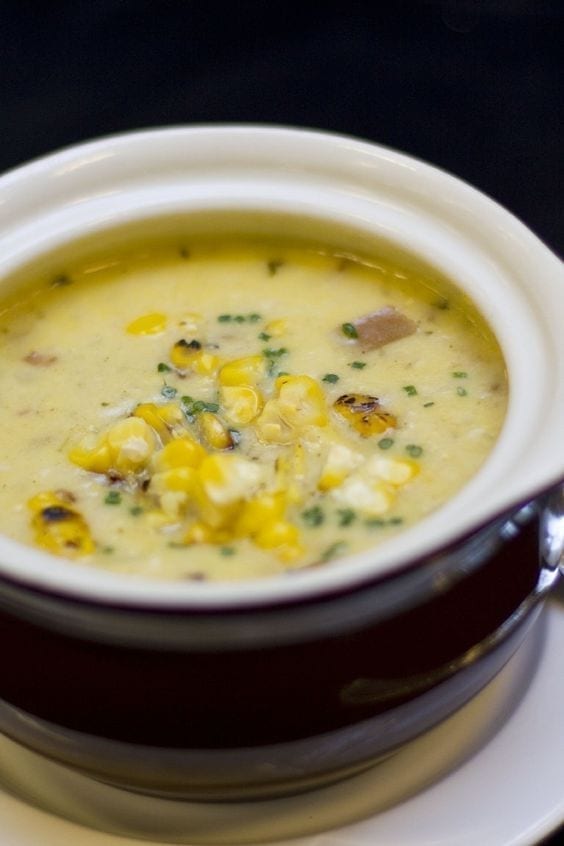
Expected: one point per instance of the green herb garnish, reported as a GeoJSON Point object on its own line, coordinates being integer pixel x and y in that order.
{"type": "Point", "coordinates": [313, 516]}
{"type": "Point", "coordinates": [162, 367]}
{"type": "Point", "coordinates": [224, 318]}
{"type": "Point", "coordinates": [136, 510]}
{"type": "Point", "coordinates": [346, 516]}
{"type": "Point", "coordinates": [410, 390]}
{"type": "Point", "coordinates": [462, 392]}
{"type": "Point", "coordinates": [428, 404]}
{"type": "Point", "coordinates": [274, 265]}
{"type": "Point", "coordinates": [414, 450]}
{"type": "Point", "coordinates": [358, 365]}
{"type": "Point", "coordinates": [274, 354]}
{"type": "Point", "coordinates": [375, 523]}
{"type": "Point", "coordinates": [264, 336]}
{"type": "Point", "coordinates": [349, 329]}
{"type": "Point", "coordinates": [330, 377]}
{"type": "Point", "coordinates": [460, 374]}
{"type": "Point", "coordinates": [113, 498]}
{"type": "Point", "coordinates": [332, 551]}
{"type": "Point", "coordinates": [227, 550]}
{"type": "Point", "coordinates": [386, 443]}
{"type": "Point", "coordinates": [254, 317]}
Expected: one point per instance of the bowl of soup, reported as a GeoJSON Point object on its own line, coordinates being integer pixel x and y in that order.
{"type": "Point", "coordinates": [281, 412]}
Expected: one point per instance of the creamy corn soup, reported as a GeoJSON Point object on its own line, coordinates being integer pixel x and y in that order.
{"type": "Point", "coordinates": [229, 412]}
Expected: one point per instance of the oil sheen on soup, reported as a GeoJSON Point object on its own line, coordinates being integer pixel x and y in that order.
{"type": "Point", "coordinates": [237, 410]}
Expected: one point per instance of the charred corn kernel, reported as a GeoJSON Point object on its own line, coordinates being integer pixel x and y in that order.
{"type": "Point", "coordinates": [281, 536]}
{"type": "Point", "coordinates": [228, 478]}
{"type": "Point", "coordinates": [243, 371]}
{"type": "Point", "coordinates": [95, 460]}
{"type": "Point", "coordinates": [301, 401]}
{"type": "Point", "coordinates": [276, 328]}
{"type": "Point", "coordinates": [395, 472]}
{"type": "Point", "coordinates": [256, 512]}
{"type": "Point", "coordinates": [131, 443]}
{"type": "Point", "coordinates": [213, 432]}
{"type": "Point", "coordinates": [181, 452]}
{"type": "Point", "coordinates": [206, 364]}
{"type": "Point", "coordinates": [370, 497]}
{"type": "Point", "coordinates": [364, 413]}
{"type": "Point", "coordinates": [164, 419]}
{"type": "Point", "coordinates": [147, 324]}
{"type": "Point", "coordinates": [240, 403]}
{"type": "Point", "coordinates": [271, 428]}
{"type": "Point", "coordinates": [340, 463]}
{"type": "Point", "coordinates": [184, 353]}
{"type": "Point", "coordinates": [58, 527]}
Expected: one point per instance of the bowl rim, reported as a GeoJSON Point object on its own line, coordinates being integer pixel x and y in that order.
{"type": "Point", "coordinates": [63, 170]}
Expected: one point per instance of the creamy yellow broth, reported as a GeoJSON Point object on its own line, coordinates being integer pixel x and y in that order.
{"type": "Point", "coordinates": [270, 476]}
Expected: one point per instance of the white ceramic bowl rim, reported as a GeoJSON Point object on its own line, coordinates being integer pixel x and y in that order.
{"type": "Point", "coordinates": [515, 280]}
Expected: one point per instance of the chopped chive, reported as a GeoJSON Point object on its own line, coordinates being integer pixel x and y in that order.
{"type": "Point", "coordinates": [375, 523]}
{"type": "Point", "coordinates": [349, 329]}
{"type": "Point", "coordinates": [197, 406]}
{"type": "Point", "coordinates": [395, 521]}
{"type": "Point", "coordinates": [358, 365]}
{"type": "Point", "coordinates": [224, 318]}
{"type": "Point", "coordinates": [270, 353]}
{"type": "Point", "coordinates": [414, 450]}
{"type": "Point", "coordinates": [211, 406]}
{"type": "Point", "coordinates": [346, 516]}
{"type": "Point", "coordinates": [332, 551]}
{"type": "Point", "coordinates": [113, 498]}
{"type": "Point", "coordinates": [283, 373]}
{"type": "Point", "coordinates": [462, 392]}
{"type": "Point", "coordinates": [136, 510]}
{"type": "Point", "coordinates": [254, 317]}
{"type": "Point", "coordinates": [410, 390]}
{"type": "Point", "coordinates": [107, 550]}
{"type": "Point", "coordinates": [227, 550]}
{"type": "Point", "coordinates": [330, 377]}
{"type": "Point", "coordinates": [274, 265]}
{"type": "Point", "coordinates": [313, 516]}
{"type": "Point", "coordinates": [168, 391]}
{"type": "Point", "coordinates": [104, 404]}
{"type": "Point", "coordinates": [239, 318]}
{"type": "Point", "coordinates": [428, 404]}
{"type": "Point", "coordinates": [264, 336]}
{"type": "Point", "coordinates": [162, 367]}
{"type": "Point", "coordinates": [460, 374]}
{"type": "Point", "coordinates": [386, 443]}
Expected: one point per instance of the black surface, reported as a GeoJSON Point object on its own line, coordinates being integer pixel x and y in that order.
{"type": "Point", "coordinates": [474, 86]}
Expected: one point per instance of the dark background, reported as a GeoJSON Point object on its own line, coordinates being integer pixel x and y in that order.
{"type": "Point", "coordinates": [474, 86]}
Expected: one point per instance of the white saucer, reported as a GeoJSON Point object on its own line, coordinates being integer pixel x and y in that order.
{"type": "Point", "coordinates": [492, 775]}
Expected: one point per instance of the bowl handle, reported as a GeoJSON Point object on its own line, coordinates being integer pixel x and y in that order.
{"type": "Point", "coordinates": [551, 536]}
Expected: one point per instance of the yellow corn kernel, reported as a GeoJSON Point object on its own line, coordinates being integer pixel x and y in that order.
{"type": "Point", "coordinates": [365, 414]}
{"type": "Point", "coordinates": [243, 371]}
{"type": "Point", "coordinates": [131, 443]}
{"type": "Point", "coordinates": [164, 419]}
{"type": "Point", "coordinates": [256, 512]}
{"type": "Point", "coordinates": [340, 463]}
{"type": "Point", "coordinates": [276, 328]}
{"type": "Point", "coordinates": [301, 401]}
{"type": "Point", "coordinates": [181, 452]}
{"type": "Point", "coordinates": [95, 460]}
{"type": "Point", "coordinates": [271, 428]}
{"type": "Point", "coordinates": [281, 536]}
{"type": "Point", "coordinates": [202, 533]}
{"type": "Point", "coordinates": [240, 403]}
{"type": "Point", "coordinates": [389, 470]}
{"type": "Point", "coordinates": [206, 364]}
{"type": "Point", "coordinates": [147, 324]}
{"type": "Point", "coordinates": [291, 471]}
{"type": "Point", "coordinates": [182, 479]}
{"type": "Point", "coordinates": [213, 432]}
{"type": "Point", "coordinates": [58, 527]}
{"type": "Point", "coordinates": [228, 478]}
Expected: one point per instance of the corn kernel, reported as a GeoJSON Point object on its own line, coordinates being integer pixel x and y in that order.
{"type": "Point", "coordinates": [282, 537]}
{"type": "Point", "coordinates": [181, 452]}
{"type": "Point", "coordinates": [301, 401]}
{"type": "Point", "coordinates": [183, 354]}
{"type": "Point", "coordinates": [256, 512]}
{"type": "Point", "coordinates": [214, 433]}
{"type": "Point", "coordinates": [95, 460]}
{"type": "Point", "coordinates": [58, 527]}
{"type": "Point", "coordinates": [271, 428]}
{"type": "Point", "coordinates": [240, 403]}
{"type": "Point", "coordinates": [147, 324]}
{"type": "Point", "coordinates": [182, 479]}
{"type": "Point", "coordinates": [395, 472]}
{"type": "Point", "coordinates": [364, 495]}
{"type": "Point", "coordinates": [364, 413]}
{"type": "Point", "coordinates": [276, 328]}
{"type": "Point", "coordinates": [131, 443]}
{"type": "Point", "coordinates": [206, 364]}
{"type": "Point", "coordinates": [243, 371]}
{"type": "Point", "coordinates": [202, 533]}
{"type": "Point", "coordinates": [164, 419]}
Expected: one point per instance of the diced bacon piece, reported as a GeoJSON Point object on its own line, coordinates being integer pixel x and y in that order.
{"type": "Point", "coordinates": [382, 327]}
